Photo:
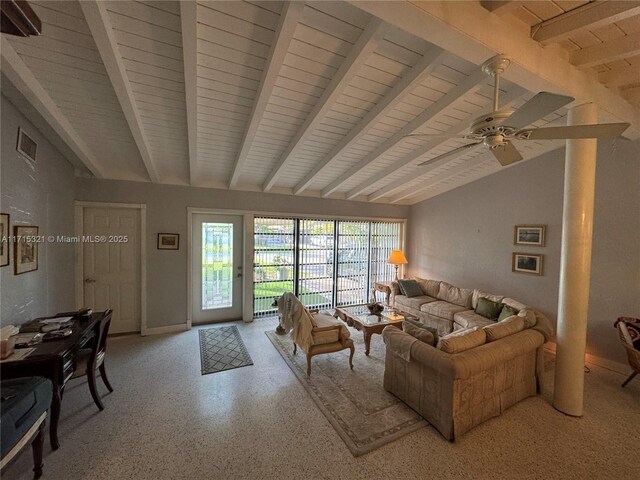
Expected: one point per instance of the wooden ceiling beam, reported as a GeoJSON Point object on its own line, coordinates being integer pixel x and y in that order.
{"type": "Point", "coordinates": [500, 7]}
{"type": "Point", "coordinates": [473, 81]}
{"type": "Point", "coordinates": [589, 16]}
{"type": "Point", "coordinates": [189, 23]}
{"type": "Point", "coordinates": [97, 18]}
{"type": "Point", "coordinates": [632, 94]}
{"type": "Point", "coordinates": [440, 177]}
{"type": "Point", "coordinates": [616, 49]}
{"type": "Point", "coordinates": [474, 34]}
{"type": "Point", "coordinates": [620, 76]}
{"type": "Point", "coordinates": [462, 126]}
{"type": "Point", "coordinates": [23, 79]}
{"type": "Point", "coordinates": [418, 73]}
{"type": "Point", "coordinates": [289, 17]}
{"type": "Point", "coordinates": [360, 52]}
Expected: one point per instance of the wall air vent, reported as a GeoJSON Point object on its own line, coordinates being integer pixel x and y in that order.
{"type": "Point", "coordinates": [26, 146]}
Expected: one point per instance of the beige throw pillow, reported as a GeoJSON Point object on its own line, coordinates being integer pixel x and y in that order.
{"type": "Point", "coordinates": [419, 333]}
{"type": "Point", "coordinates": [506, 327]}
{"type": "Point", "coordinates": [455, 295]}
{"type": "Point", "coordinates": [462, 340]}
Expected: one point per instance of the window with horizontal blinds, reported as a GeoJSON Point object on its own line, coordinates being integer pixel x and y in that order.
{"type": "Point", "coordinates": [326, 263]}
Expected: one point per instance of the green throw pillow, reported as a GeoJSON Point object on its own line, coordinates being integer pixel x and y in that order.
{"type": "Point", "coordinates": [410, 288]}
{"type": "Point", "coordinates": [418, 324]}
{"type": "Point", "coordinates": [506, 312]}
{"type": "Point", "coordinates": [488, 308]}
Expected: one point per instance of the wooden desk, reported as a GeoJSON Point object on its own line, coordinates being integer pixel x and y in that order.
{"type": "Point", "coordinates": [54, 360]}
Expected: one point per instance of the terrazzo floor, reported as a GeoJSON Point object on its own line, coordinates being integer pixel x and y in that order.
{"type": "Point", "coordinates": [166, 421]}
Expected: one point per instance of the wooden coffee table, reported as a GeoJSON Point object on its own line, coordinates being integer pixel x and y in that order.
{"type": "Point", "coordinates": [359, 317]}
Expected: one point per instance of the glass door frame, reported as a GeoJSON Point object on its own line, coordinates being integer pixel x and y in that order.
{"type": "Point", "coordinates": [247, 260]}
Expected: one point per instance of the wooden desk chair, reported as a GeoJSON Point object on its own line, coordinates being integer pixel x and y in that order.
{"type": "Point", "coordinates": [627, 331]}
{"type": "Point", "coordinates": [88, 360]}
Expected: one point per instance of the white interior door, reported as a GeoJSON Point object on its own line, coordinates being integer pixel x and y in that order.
{"type": "Point", "coordinates": [111, 263]}
{"type": "Point", "coordinates": [216, 268]}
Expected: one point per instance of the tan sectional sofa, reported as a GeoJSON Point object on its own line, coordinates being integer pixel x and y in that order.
{"type": "Point", "coordinates": [448, 308]}
{"type": "Point", "coordinates": [457, 391]}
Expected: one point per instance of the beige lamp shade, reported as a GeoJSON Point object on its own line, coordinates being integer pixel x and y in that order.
{"type": "Point", "coordinates": [397, 258]}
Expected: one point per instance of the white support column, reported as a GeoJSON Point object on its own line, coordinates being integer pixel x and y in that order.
{"type": "Point", "coordinates": [575, 264]}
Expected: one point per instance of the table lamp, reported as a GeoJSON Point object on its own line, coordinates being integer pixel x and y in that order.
{"type": "Point", "coordinates": [396, 259]}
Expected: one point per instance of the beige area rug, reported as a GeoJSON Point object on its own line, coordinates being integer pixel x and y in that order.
{"type": "Point", "coordinates": [354, 401]}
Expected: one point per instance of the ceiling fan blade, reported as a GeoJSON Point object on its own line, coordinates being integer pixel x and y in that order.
{"type": "Point", "coordinates": [541, 105]}
{"type": "Point", "coordinates": [453, 152]}
{"type": "Point", "coordinates": [602, 130]}
{"type": "Point", "coordinates": [506, 153]}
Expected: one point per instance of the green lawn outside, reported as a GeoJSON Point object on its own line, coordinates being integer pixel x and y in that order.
{"type": "Point", "coordinates": [275, 289]}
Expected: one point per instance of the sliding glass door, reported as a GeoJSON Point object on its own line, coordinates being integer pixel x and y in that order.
{"type": "Point", "coordinates": [326, 263]}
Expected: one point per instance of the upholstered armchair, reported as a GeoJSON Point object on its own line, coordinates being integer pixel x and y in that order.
{"type": "Point", "coordinates": [628, 331]}
{"type": "Point", "coordinates": [314, 332]}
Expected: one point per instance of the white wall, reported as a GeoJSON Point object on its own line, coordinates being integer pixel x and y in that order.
{"type": "Point", "coordinates": [42, 195]}
{"type": "Point", "coordinates": [167, 212]}
{"type": "Point", "coordinates": [465, 237]}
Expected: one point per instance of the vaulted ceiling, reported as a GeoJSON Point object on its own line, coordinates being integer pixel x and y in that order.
{"type": "Point", "coordinates": [312, 98]}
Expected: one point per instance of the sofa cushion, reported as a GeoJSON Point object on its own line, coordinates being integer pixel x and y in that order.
{"type": "Point", "coordinates": [329, 336]}
{"type": "Point", "coordinates": [469, 318]}
{"type": "Point", "coordinates": [429, 287]}
{"type": "Point", "coordinates": [423, 326]}
{"type": "Point", "coordinates": [413, 302]}
{"type": "Point", "coordinates": [488, 308]}
{"type": "Point", "coordinates": [506, 312]}
{"type": "Point", "coordinates": [480, 294]}
{"type": "Point", "coordinates": [410, 288]}
{"type": "Point", "coordinates": [451, 294]}
{"type": "Point", "coordinates": [506, 327]}
{"type": "Point", "coordinates": [420, 333]}
{"type": "Point", "coordinates": [462, 340]}
{"type": "Point", "coordinates": [442, 309]}
{"type": "Point", "coordinates": [514, 304]}
{"type": "Point", "coordinates": [529, 317]}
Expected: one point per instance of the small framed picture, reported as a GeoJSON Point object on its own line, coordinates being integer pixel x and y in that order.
{"type": "Point", "coordinates": [25, 252]}
{"type": "Point", "coordinates": [532, 235]}
{"type": "Point", "coordinates": [168, 241]}
{"type": "Point", "coordinates": [527, 263]}
{"type": "Point", "coordinates": [4, 239]}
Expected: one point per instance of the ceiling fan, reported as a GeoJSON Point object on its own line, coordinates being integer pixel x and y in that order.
{"type": "Point", "coordinates": [497, 129]}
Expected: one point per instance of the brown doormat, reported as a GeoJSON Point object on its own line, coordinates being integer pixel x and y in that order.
{"type": "Point", "coordinates": [356, 404]}
{"type": "Point", "coordinates": [222, 348]}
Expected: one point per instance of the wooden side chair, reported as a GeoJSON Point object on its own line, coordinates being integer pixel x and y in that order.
{"type": "Point", "coordinates": [628, 331]}
{"type": "Point", "coordinates": [88, 360]}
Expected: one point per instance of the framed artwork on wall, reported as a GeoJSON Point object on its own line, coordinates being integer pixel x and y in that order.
{"type": "Point", "coordinates": [527, 263]}
{"type": "Point", "coordinates": [532, 235]}
{"type": "Point", "coordinates": [4, 239]}
{"type": "Point", "coordinates": [25, 252]}
{"type": "Point", "coordinates": [168, 241]}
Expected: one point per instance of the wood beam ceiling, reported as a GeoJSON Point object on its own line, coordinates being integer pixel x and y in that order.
{"type": "Point", "coordinates": [289, 17]}
{"type": "Point", "coordinates": [617, 49]}
{"type": "Point", "coordinates": [418, 73]}
{"type": "Point", "coordinates": [590, 16]}
{"type": "Point", "coordinates": [23, 79]}
{"type": "Point", "coordinates": [97, 18]}
{"type": "Point", "coordinates": [189, 23]}
{"type": "Point", "coordinates": [363, 48]}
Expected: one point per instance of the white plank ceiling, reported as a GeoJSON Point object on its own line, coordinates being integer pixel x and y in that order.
{"type": "Point", "coordinates": [302, 98]}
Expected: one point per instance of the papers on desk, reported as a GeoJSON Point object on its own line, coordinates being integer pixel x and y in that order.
{"type": "Point", "coordinates": [56, 320]}
{"type": "Point", "coordinates": [18, 354]}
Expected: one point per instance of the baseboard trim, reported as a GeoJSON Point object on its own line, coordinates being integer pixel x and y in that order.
{"type": "Point", "coordinates": [617, 367]}
{"type": "Point", "coordinates": [168, 329]}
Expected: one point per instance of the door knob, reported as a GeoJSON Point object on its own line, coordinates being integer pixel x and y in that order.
{"type": "Point", "coordinates": [89, 280]}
